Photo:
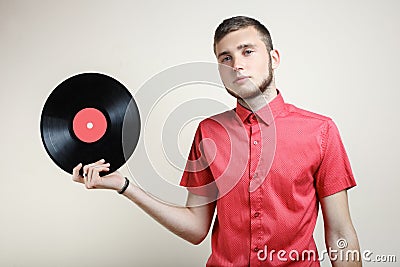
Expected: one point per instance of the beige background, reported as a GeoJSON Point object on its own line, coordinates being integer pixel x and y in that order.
{"type": "Point", "coordinates": [339, 58]}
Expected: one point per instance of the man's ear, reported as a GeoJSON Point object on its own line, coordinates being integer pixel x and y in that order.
{"type": "Point", "coordinates": [275, 58]}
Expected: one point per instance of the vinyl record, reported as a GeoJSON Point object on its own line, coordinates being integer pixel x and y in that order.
{"type": "Point", "coordinates": [89, 117]}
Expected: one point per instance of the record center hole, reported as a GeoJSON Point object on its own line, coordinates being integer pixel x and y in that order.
{"type": "Point", "coordinates": [89, 125]}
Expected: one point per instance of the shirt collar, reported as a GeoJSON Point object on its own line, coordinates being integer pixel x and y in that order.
{"type": "Point", "coordinates": [266, 113]}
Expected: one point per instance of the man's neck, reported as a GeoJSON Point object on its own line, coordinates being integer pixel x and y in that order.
{"type": "Point", "coordinates": [257, 102]}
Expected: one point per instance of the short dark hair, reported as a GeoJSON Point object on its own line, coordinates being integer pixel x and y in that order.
{"type": "Point", "coordinates": [239, 22]}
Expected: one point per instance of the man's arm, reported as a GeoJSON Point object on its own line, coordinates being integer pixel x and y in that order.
{"type": "Point", "coordinates": [338, 226]}
{"type": "Point", "coordinates": [191, 223]}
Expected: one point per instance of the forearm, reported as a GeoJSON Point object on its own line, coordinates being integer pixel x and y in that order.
{"type": "Point", "coordinates": [344, 248]}
{"type": "Point", "coordinates": [180, 220]}
{"type": "Point", "coordinates": [191, 223]}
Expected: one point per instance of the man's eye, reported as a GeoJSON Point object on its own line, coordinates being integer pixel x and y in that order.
{"type": "Point", "coordinates": [226, 58]}
{"type": "Point", "coordinates": [248, 52]}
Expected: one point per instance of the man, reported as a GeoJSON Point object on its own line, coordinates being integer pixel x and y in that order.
{"type": "Point", "coordinates": [267, 206]}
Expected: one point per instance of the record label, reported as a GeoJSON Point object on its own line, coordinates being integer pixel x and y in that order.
{"type": "Point", "coordinates": [89, 125]}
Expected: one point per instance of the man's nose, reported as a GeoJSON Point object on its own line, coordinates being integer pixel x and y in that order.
{"type": "Point", "coordinates": [237, 64]}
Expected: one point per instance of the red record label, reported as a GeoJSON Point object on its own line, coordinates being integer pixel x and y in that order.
{"type": "Point", "coordinates": [89, 125]}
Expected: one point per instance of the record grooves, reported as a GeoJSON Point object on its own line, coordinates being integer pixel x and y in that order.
{"type": "Point", "coordinates": [88, 117]}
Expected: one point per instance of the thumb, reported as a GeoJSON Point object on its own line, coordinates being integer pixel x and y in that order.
{"type": "Point", "coordinates": [76, 177]}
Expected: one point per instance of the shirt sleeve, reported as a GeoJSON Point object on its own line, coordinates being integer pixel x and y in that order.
{"type": "Point", "coordinates": [197, 176]}
{"type": "Point", "coordinates": [334, 173]}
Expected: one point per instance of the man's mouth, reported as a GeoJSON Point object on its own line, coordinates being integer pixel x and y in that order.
{"type": "Point", "coordinates": [241, 79]}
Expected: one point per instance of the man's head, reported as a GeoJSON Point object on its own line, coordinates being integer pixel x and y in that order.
{"type": "Point", "coordinates": [240, 22]}
{"type": "Point", "coordinates": [243, 47]}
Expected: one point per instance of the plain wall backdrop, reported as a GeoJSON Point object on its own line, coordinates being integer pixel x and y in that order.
{"type": "Point", "coordinates": [339, 58]}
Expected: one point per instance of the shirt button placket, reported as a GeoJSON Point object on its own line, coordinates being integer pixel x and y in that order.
{"type": "Point", "coordinates": [255, 196]}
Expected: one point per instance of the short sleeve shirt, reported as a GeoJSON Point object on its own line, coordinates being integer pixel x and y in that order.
{"type": "Point", "coordinates": [267, 170]}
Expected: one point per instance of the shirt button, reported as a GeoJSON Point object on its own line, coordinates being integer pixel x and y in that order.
{"type": "Point", "coordinates": [255, 175]}
{"type": "Point", "coordinates": [256, 249]}
{"type": "Point", "coordinates": [256, 214]}
{"type": "Point", "coordinates": [255, 142]}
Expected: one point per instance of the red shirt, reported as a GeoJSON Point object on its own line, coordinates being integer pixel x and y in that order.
{"type": "Point", "coordinates": [267, 170]}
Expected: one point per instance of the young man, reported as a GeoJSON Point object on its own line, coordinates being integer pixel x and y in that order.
{"type": "Point", "coordinates": [267, 206]}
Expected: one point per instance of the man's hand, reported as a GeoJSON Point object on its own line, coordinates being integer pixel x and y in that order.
{"type": "Point", "coordinates": [92, 179]}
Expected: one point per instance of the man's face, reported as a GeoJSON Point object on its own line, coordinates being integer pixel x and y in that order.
{"type": "Point", "coordinates": [244, 63]}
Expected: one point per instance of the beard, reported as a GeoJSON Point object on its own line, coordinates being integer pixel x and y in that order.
{"type": "Point", "coordinates": [266, 82]}
{"type": "Point", "coordinates": [258, 90]}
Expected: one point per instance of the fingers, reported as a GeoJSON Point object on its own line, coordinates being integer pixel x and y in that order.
{"type": "Point", "coordinates": [92, 177]}
{"type": "Point", "coordinates": [86, 167]}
